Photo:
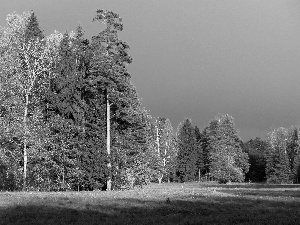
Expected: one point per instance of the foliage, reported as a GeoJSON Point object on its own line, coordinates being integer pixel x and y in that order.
{"type": "Point", "coordinates": [163, 150]}
{"type": "Point", "coordinates": [226, 159]}
{"type": "Point", "coordinates": [53, 93]}
{"type": "Point", "coordinates": [129, 121]}
{"type": "Point", "coordinates": [53, 106]}
{"type": "Point", "coordinates": [25, 65]}
{"type": "Point", "coordinates": [256, 150]}
{"type": "Point", "coordinates": [204, 144]}
{"type": "Point", "coordinates": [187, 152]}
{"type": "Point", "coordinates": [199, 150]}
{"type": "Point", "coordinates": [282, 156]}
{"type": "Point", "coordinates": [293, 152]}
{"type": "Point", "coordinates": [277, 162]}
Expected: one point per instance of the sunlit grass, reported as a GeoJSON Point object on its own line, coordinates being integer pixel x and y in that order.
{"type": "Point", "coordinates": [190, 203]}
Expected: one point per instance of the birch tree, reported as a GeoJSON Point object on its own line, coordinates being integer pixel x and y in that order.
{"type": "Point", "coordinates": [293, 153]}
{"type": "Point", "coordinates": [26, 65]}
{"type": "Point", "coordinates": [277, 161]}
{"type": "Point", "coordinates": [165, 148]}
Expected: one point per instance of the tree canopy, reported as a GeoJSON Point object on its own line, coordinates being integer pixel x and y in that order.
{"type": "Point", "coordinates": [65, 100]}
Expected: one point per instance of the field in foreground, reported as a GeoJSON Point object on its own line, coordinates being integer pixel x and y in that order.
{"type": "Point", "coordinates": [192, 203]}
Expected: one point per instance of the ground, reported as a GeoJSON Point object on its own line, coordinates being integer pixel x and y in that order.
{"type": "Point", "coordinates": [190, 203]}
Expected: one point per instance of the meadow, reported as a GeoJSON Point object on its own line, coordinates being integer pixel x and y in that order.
{"type": "Point", "coordinates": [174, 203]}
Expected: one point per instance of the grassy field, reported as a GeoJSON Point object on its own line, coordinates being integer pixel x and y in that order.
{"type": "Point", "coordinates": [192, 203]}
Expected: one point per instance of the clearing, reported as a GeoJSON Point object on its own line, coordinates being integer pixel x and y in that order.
{"type": "Point", "coordinates": [174, 203]}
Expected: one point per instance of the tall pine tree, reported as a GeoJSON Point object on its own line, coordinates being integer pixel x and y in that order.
{"type": "Point", "coordinates": [108, 71]}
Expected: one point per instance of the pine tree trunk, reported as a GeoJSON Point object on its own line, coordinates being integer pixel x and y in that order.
{"type": "Point", "coordinates": [63, 174]}
{"type": "Point", "coordinates": [157, 141]}
{"type": "Point", "coordinates": [25, 157]}
{"type": "Point", "coordinates": [108, 144]}
{"type": "Point", "coordinates": [25, 167]}
{"type": "Point", "coordinates": [63, 177]}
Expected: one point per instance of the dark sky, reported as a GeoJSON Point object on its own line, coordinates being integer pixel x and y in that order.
{"type": "Point", "coordinates": [198, 58]}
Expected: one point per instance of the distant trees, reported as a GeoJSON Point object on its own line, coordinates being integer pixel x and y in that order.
{"type": "Point", "coordinates": [199, 153]}
{"type": "Point", "coordinates": [293, 152]}
{"type": "Point", "coordinates": [256, 148]}
{"type": "Point", "coordinates": [226, 160]}
{"type": "Point", "coordinates": [215, 152]}
{"type": "Point", "coordinates": [282, 156]}
{"type": "Point", "coordinates": [187, 152]}
{"type": "Point", "coordinates": [277, 162]}
{"type": "Point", "coordinates": [165, 149]}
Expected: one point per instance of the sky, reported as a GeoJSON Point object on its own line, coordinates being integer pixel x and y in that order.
{"type": "Point", "coordinates": [198, 58]}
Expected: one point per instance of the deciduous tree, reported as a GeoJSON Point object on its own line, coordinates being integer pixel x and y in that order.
{"type": "Point", "coordinates": [226, 159]}
{"type": "Point", "coordinates": [25, 65]}
{"type": "Point", "coordinates": [277, 161]}
{"type": "Point", "coordinates": [293, 152]}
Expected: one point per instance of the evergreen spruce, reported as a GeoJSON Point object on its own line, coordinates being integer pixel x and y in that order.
{"type": "Point", "coordinates": [33, 30]}
{"type": "Point", "coordinates": [199, 150]}
{"type": "Point", "coordinates": [187, 152]}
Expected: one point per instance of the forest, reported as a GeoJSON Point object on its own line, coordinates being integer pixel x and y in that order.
{"type": "Point", "coordinates": [71, 119]}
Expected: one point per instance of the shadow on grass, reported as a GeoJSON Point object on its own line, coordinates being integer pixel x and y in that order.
{"type": "Point", "coordinates": [31, 214]}
{"type": "Point", "coordinates": [255, 186]}
{"type": "Point", "coordinates": [264, 193]}
{"type": "Point", "coordinates": [191, 210]}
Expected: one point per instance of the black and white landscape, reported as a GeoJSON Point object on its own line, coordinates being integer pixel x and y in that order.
{"type": "Point", "coordinates": [149, 112]}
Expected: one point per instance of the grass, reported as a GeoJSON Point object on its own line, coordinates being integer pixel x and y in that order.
{"type": "Point", "coordinates": [191, 203]}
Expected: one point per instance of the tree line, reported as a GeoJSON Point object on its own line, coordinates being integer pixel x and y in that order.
{"type": "Point", "coordinates": [54, 92]}
{"type": "Point", "coordinates": [277, 159]}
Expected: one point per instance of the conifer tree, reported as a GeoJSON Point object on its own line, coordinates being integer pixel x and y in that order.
{"type": "Point", "coordinates": [199, 150]}
{"type": "Point", "coordinates": [187, 155]}
{"type": "Point", "coordinates": [293, 152]}
{"type": "Point", "coordinates": [108, 71]}
{"type": "Point", "coordinates": [65, 104]}
{"type": "Point", "coordinates": [204, 144]}
{"type": "Point", "coordinates": [277, 161]}
{"type": "Point", "coordinates": [256, 148]}
{"type": "Point", "coordinates": [33, 30]}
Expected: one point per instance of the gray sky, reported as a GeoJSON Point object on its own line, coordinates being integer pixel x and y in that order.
{"type": "Point", "coordinates": [198, 58]}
